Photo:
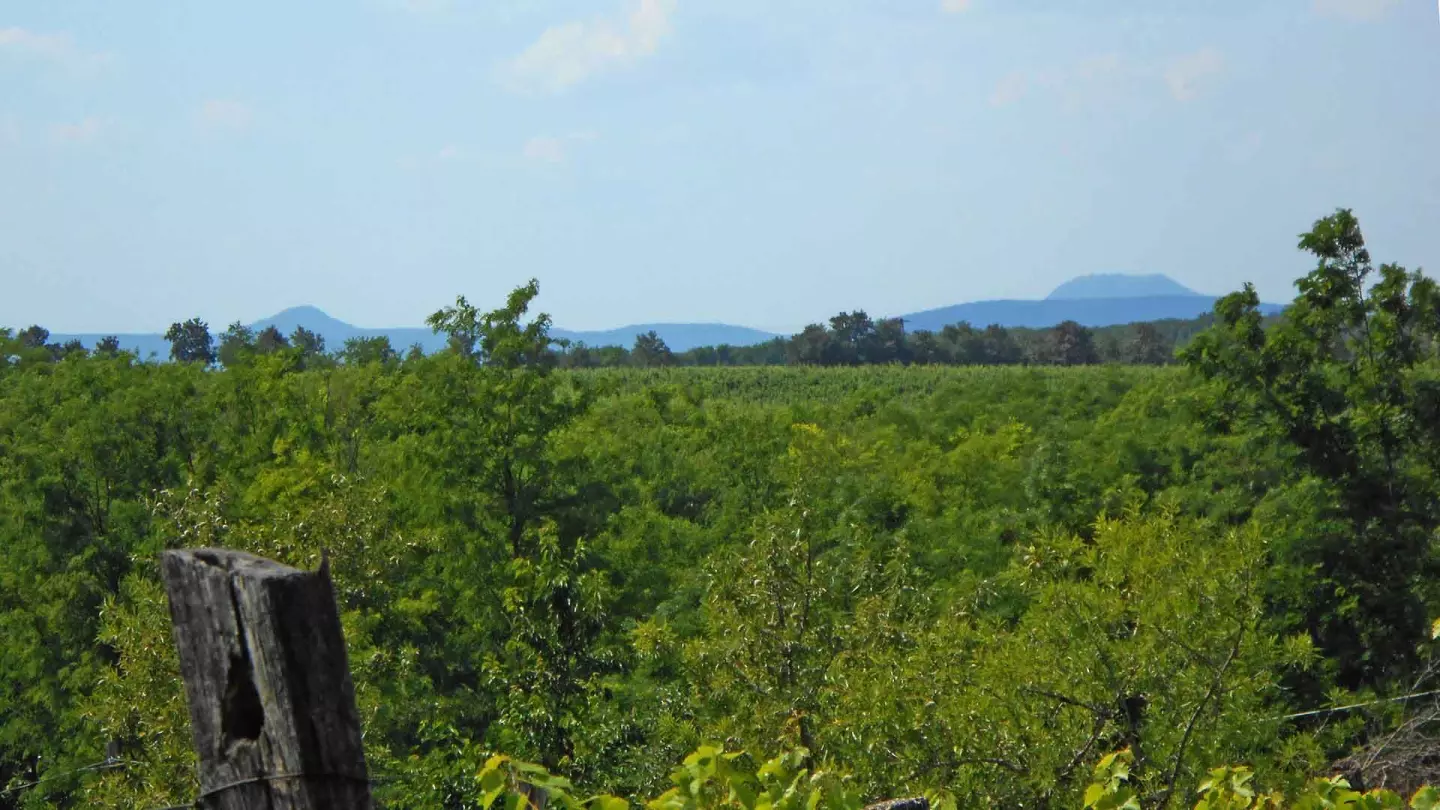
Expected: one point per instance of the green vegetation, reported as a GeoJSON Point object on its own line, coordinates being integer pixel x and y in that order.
{"type": "Point", "coordinates": [976, 584]}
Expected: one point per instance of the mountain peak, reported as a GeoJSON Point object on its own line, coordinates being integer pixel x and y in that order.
{"type": "Point", "coordinates": [305, 311]}
{"type": "Point", "coordinates": [1119, 285]}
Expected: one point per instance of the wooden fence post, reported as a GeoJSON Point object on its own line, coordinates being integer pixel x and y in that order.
{"type": "Point", "coordinates": [272, 706]}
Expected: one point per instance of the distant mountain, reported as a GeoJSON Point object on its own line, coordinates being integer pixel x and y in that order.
{"type": "Point", "coordinates": [334, 330]}
{"type": "Point", "coordinates": [679, 337]}
{"type": "Point", "coordinates": [1116, 285]}
{"type": "Point", "coordinates": [1093, 300]}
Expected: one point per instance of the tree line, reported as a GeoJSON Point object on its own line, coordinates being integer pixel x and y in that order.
{"type": "Point", "coordinates": [850, 339]}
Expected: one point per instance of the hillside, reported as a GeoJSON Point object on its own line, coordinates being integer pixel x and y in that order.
{"type": "Point", "coordinates": [1092, 312]}
{"type": "Point", "coordinates": [679, 337]}
{"type": "Point", "coordinates": [1117, 285]}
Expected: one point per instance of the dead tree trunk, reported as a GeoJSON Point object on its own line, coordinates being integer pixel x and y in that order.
{"type": "Point", "coordinates": [272, 706]}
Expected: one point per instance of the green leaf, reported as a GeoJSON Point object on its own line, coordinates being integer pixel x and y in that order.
{"type": "Point", "coordinates": [605, 801]}
{"type": "Point", "coordinates": [1426, 798]}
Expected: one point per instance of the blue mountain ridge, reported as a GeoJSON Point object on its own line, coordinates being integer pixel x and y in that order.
{"type": "Point", "coordinates": [1093, 301]}
{"type": "Point", "coordinates": [1118, 285]}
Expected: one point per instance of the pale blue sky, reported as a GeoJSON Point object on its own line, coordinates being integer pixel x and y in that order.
{"type": "Point", "coordinates": [760, 162]}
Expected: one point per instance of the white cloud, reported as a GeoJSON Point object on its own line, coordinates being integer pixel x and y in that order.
{"type": "Point", "coordinates": [1010, 89]}
{"type": "Point", "coordinates": [86, 130]}
{"type": "Point", "coordinates": [448, 152]}
{"type": "Point", "coordinates": [545, 149]}
{"type": "Point", "coordinates": [1185, 74]}
{"type": "Point", "coordinates": [954, 6]}
{"type": "Point", "coordinates": [1086, 82]}
{"type": "Point", "coordinates": [553, 149]}
{"type": "Point", "coordinates": [1109, 77]}
{"type": "Point", "coordinates": [1363, 10]}
{"type": "Point", "coordinates": [57, 49]}
{"type": "Point", "coordinates": [224, 114]}
{"type": "Point", "coordinates": [566, 55]}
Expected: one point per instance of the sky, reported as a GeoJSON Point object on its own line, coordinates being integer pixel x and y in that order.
{"type": "Point", "coordinates": [758, 162]}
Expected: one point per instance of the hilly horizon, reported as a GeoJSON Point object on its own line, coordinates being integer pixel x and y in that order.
{"type": "Point", "coordinates": [1120, 285]}
{"type": "Point", "coordinates": [1094, 300]}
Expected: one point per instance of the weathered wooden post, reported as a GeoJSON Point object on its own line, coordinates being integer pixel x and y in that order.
{"type": "Point", "coordinates": [272, 706]}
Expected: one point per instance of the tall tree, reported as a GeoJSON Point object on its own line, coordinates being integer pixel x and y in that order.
{"type": "Point", "coordinates": [1149, 347]}
{"type": "Point", "coordinates": [307, 342]}
{"type": "Point", "coordinates": [999, 347]}
{"type": "Point", "coordinates": [503, 410]}
{"type": "Point", "coordinates": [271, 340]}
{"type": "Point", "coordinates": [34, 337]}
{"type": "Point", "coordinates": [108, 346]}
{"type": "Point", "coordinates": [190, 342]}
{"type": "Point", "coordinates": [499, 338]}
{"type": "Point", "coordinates": [73, 348]}
{"type": "Point", "coordinates": [1341, 384]}
{"type": "Point", "coordinates": [1068, 344]}
{"type": "Point", "coordinates": [852, 338]}
{"type": "Point", "coordinates": [650, 351]}
{"type": "Point", "coordinates": [236, 343]}
{"type": "Point", "coordinates": [360, 351]}
{"type": "Point", "coordinates": [964, 344]}
{"type": "Point", "coordinates": [927, 349]}
{"type": "Point", "coordinates": [888, 343]}
{"type": "Point", "coordinates": [812, 347]}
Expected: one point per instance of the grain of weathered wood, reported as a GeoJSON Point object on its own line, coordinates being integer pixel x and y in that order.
{"type": "Point", "coordinates": [272, 706]}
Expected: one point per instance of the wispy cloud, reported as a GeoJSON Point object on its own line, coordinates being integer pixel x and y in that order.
{"type": "Point", "coordinates": [1077, 85]}
{"type": "Point", "coordinates": [1363, 10]}
{"type": "Point", "coordinates": [56, 49]}
{"type": "Point", "coordinates": [224, 114]}
{"type": "Point", "coordinates": [566, 55]}
{"type": "Point", "coordinates": [1110, 76]}
{"type": "Point", "coordinates": [86, 130]}
{"type": "Point", "coordinates": [1010, 89]}
{"type": "Point", "coordinates": [1185, 74]}
{"type": "Point", "coordinates": [954, 6]}
{"type": "Point", "coordinates": [553, 148]}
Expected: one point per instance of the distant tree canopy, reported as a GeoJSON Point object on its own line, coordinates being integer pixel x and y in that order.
{"type": "Point", "coordinates": [854, 339]}
{"type": "Point", "coordinates": [365, 350]}
{"type": "Point", "coordinates": [849, 339]}
{"type": "Point", "coordinates": [108, 346]}
{"type": "Point", "coordinates": [270, 340]}
{"type": "Point", "coordinates": [651, 352]}
{"type": "Point", "coordinates": [190, 342]}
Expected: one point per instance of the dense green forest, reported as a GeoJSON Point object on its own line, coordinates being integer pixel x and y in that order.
{"type": "Point", "coordinates": [977, 583]}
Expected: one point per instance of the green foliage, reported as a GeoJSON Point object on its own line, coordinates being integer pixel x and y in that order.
{"type": "Point", "coordinates": [190, 342]}
{"type": "Point", "coordinates": [650, 351]}
{"type": "Point", "coordinates": [1345, 384]}
{"type": "Point", "coordinates": [1231, 788]}
{"type": "Point", "coordinates": [967, 583]}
